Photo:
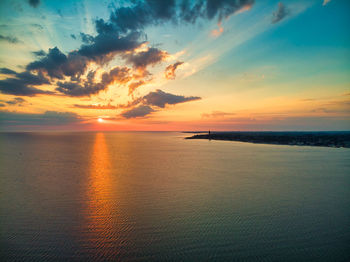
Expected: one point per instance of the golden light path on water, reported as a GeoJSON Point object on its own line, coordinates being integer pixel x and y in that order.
{"type": "Point", "coordinates": [100, 220]}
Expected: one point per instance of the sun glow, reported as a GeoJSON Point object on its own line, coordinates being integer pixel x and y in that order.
{"type": "Point", "coordinates": [100, 120]}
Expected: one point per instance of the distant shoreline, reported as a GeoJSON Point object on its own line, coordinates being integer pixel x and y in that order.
{"type": "Point", "coordinates": [317, 138]}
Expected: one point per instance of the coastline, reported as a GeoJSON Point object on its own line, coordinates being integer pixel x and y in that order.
{"type": "Point", "coordinates": [335, 139]}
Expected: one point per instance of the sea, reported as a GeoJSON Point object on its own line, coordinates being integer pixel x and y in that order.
{"type": "Point", "coordinates": [155, 196]}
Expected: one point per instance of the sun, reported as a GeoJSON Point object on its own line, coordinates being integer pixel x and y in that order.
{"type": "Point", "coordinates": [100, 120]}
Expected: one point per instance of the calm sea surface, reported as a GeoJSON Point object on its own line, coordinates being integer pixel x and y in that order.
{"type": "Point", "coordinates": [153, 196]}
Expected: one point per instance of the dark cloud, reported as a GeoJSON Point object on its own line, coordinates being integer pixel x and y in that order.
{"type": "Point", "coordinates": [34, 3]}
{"type": "Point", "coordinates": [39, 53]}
{"type": "Point", "coordinates": [142, 14]}
{"type": "Point", "coordinates": [10, 39]}
{"type": "Point", "coordinates": [105, 44]}
{"type": "Point", "coordinates": [143, 59]}
{"type": "Point", "coordinates": [22, 84]}
{"type": "Point", "coordinates": [160, 98]}
{"type": "Point", "coordinates": [224, 8]}
{"type": "Point", "coordinates": [57, 65]}
{"type": "Point", "coordinates": [153, 12]}
{"type": "Point", "coordinates": [16, 87]}
{"type": "Point", "coordinates": [139, 111]}
{"type": "Point", "coordinates": [87, 39]}
{"type": "Point", "coordinates": [2, 105]}
{"type": "Point", "coordinates": [51, 63]}
{"type": "Point", "coordinates": [7, 71]}
{"type": "Point", "coordinates": [100, 107]}
{"type": "Point", "coordinates": [16, 101]}
{"type": "Point", "coordinates": [47, 118]}
{"type": "Point", "coordinates": [170, 70]}
{"type": "Point", "coordinates": [75, 89]}
{"type": "Point", "coordinates": [280, 14]}
{"type": "Point", "coordinates": [73, 36]}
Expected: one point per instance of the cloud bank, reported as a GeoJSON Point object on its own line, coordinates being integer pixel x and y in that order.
{"type": "Point", "coordinates": [120, 35]}
{"type": "Point", "coordinates": [47, 118]}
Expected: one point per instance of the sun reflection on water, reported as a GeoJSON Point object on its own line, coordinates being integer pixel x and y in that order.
{"type": "Point", "coordinates": [100, 195]}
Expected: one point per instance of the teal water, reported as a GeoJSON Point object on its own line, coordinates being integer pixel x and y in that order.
{"type": "Point", "coordinates": [154, 196]}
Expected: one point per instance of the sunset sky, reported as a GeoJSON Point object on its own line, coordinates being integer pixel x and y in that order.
{"type": "Point", "coordinates": [174, 65]}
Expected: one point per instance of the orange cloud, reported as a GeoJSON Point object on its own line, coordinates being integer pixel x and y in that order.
{"type": "Point", "coordinates": [134, 85]}
{"type": "Point", "coordinates": [109, 106]}
{"type": "Point", "coordinates": [244, 8]}
{"type": "Point", "coordinates": [170, 70]}
{"type": "Point", "coordinates": [217, 32]}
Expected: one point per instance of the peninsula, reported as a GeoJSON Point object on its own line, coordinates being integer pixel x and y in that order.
{"type": "Point", "coordinates": [324, 138]}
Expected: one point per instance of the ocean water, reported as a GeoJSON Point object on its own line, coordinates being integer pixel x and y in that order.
{"type": "Point", "coordinates": [154, 196]}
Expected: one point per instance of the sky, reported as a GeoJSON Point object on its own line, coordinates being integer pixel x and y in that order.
{"type": "Point", "coordinates": [174, 65]}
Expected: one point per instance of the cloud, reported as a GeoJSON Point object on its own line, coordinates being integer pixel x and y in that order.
{"type": "Point", "coordinates": [75, 89]}
{"type": "Point", "coordinates": [39, 53]}
{"type": "Point", "coordinates": [119, 35]}
{"type": "Point", "coordinates": [16, 101]}
{"type": "Point", "coordinates": [280, 14]}
{"type": "Point", "coordinates": [7, 71]}
{"type": "Point", "coordinates": [118, 75]}
{"type": "Point", "coordinates": [22, 84]}
{"type": "Point", "coordinates": [109, 44]}
{"type": "Point", "coordinates": [87, 39]}
{"type": "Point", "coordinates": [143, 59]}
{"type": "Point", "coordinates": [134, 85]}
{"type": "Point", "coordinates": [217, 114]}
{"type": "Point", "coordinates": [170, 70]}
{"type": "Point", "coordinates": [325, 2]}
{"type": "Point", "coordinates": [144, 13]}
{"type": "Point", "coordinates": [2, 105]}
{"type": "Point", "coordinates": [51, 63]}
{"type": "Point", "coordinates": [139, 111]}
{"type": "Point", "coordinates": [122, 33]}
{"type": "Point", "coordinates": [47, 118]}
{"type": "Point", "coordinates": [100, 107]}
{"type": "Point", "coordinates": [57, 65]}
{"type": "Point", "coordinates": [10, 39]}
{"type": "Point", "coordinates": [131, 103]}
{"type": "Point", "coordinates": [37, 26]}
{"type": "Point", "coordinates": [34, 3]}
{"type": "Point", "coordinates": [160, 98]}
{"type": "Point", "coordinates": [217, 32]}
{"type": "Point", "coordinates": [224, 8]}
{"type": "Point", "coordinates": [145, 105]}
